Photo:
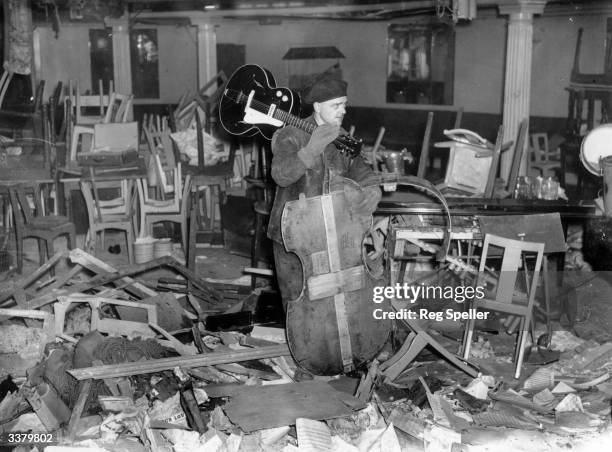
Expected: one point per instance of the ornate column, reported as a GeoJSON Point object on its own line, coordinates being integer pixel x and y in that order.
{"type": "Point", "coordinates": [517, 84]}
{"type": "Point", "coordinates": [207, 54]}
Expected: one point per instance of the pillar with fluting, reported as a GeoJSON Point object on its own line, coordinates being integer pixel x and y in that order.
{"type": "Point", "coordinates": [517, 83]}
{"type": "Point", "coordinates": [207, 54]}
{"type": "Point", "coordinates": [122, 63]}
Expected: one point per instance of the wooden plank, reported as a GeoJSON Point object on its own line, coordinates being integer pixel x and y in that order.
{"type": "Point", "coordinates": [25, 282]}
{"type": "Point", "coordinates": [333, 251]}
{"type": "Point", "coordinates": [105, 325]}
{"type": "Point", "coordinates": [77, 411]}
{"type": "Point", "coordinates": [259, 407]}
{"type": "Point", "coordinates": [424, 157]}
{"type": "Point", "coordinates": [212, 294]}
{"type": "Point", "coordinates": [96, 265]}
{"type": "Point", "coordinates": [63, 279]}
{"type": "Point", "coordinates": [490, 187]}
{"type": "Point", "coordinates": [543, 227]}
{"type": "Point", "coordinates": [105, 278]}
{"type": "Point", "coordinates": [157, 365]}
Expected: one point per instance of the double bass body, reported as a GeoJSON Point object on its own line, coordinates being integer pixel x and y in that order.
{"type": "Point", "coordinates": [330, 326]}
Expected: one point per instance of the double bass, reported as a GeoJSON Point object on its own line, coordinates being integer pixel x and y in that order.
{"type": "Point", "coordinates": [331, 326]}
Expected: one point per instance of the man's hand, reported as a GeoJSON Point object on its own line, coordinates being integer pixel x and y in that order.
{"type": "Point", "coordinates": [321, 137]}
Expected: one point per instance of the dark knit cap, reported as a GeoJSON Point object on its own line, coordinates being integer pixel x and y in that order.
{"type": "Point", "coordinates": [326, 89]}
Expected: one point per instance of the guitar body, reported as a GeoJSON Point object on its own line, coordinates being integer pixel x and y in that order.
{"type": "Point", "coordinates": [330, 327]}
{"type": "Point", "coordinates": [259, 81]}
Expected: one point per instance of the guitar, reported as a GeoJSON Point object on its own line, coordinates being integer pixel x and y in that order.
{"type": "Point", "coordinates": [251, 102]}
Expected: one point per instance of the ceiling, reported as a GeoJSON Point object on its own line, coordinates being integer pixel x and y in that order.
{"type": "Point", "coordinates": [320, 9]}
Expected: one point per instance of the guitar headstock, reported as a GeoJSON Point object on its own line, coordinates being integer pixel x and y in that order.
{"type": "Point", "coordinates": [349, 145]}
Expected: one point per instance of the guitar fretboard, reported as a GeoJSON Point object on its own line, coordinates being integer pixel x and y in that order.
{"type": "Point", "coordinates": [264, 108]}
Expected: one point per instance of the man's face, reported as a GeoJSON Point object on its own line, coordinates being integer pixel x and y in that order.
{"type": "Point", "coordinates": [331, 111]}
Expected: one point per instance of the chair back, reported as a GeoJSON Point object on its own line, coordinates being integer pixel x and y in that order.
{"type": "Point", "coordinates": [23, 213]}
{"type": "Point", "coordinates": [119, 108]}
{"type": "Point", "coordinates": [164, 159]}
{"type": "Point", "coordinates": [107, 200]}
{"type": "Point", "coordinates": [82, 103]}
{"type": "Point", "coordinates": [515, 256]}
{"type": "Point", "coordinates": [540, 153]}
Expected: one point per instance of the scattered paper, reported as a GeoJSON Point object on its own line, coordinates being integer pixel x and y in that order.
{"type": "Point", "coordinates": [313, 436]}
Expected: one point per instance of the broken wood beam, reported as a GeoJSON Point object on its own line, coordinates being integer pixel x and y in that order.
{"type": "Point", "coordinates": [96, 265]}
{"type": "Point", "coordinates": [78, 409]}
{"type": "Point", "coordinates": [213, 294]}
{"type": "Point", "coordinates": [157, 365]}
{"type": "Point", "coordinates": [106, 276]}
{"type": "Point", "coordinates": [26, 281]}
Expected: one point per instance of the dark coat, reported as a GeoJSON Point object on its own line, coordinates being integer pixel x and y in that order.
{"type": "Point", "coordinates": [293, 176]}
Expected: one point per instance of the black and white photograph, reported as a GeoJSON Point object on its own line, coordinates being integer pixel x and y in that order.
{"type": "Point", "coordinates": [306, 225]}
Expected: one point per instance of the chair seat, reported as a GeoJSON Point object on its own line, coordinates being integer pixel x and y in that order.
{"type": "Point", "coordinates": [49, 221]}
{"type": "Point", "coordinates": [160, 204]}
{"type": "Point", "coordinates": [116, 219]}
{"type": "Point", "coordinates": [262, 208]}
{"type": "Point", "coordinates": [221, 170]}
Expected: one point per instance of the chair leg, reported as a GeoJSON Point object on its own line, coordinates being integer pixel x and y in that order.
{"type": "Point", "coordinates": [42, 249]}
{"type": "Point", "coordinates": [184, 234]}
{"type": "Point", "coordinates": [522, 331]}
{"type": "Point", "coordinates": [50, 253]}
{"type": "Point", "coordinates": [19, 245]}
{"type": "Point", "coordinates": [130, 244]}
{"type": "Point", "coordinates": [467, 338]}
{"type": "Point", "coordinates": [98, 242]}
{"type": "Point", "coordinates": [71, 240]}
{"type": "Point", "coordinates": [521, 351]}
{"type": "Point", "coordinates": [213, 209]}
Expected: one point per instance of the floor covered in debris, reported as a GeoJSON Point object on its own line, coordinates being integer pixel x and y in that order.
{"type": "Point", "coordinates": [102, 376]}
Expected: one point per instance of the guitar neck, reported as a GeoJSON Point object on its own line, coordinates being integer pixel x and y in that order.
{"type": "Point", "coordinates": [292, 120]}
{"type": "Point", "coordinates": [283, 116]}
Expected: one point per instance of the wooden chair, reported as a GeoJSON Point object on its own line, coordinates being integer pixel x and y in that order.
{"type": "Point", "coordinates": [508, 296]}
{"type": "Point", "coordinates": [175, 209]}
{"type": "Point", "coordinates": [111, 214]}
{"type": "Point", "coordinates": [114, 107]}
{"type": "Point", "coordinates": [32, 223]}
{"type": "Point", "coordinates": [541, 157]}
{"type": "Point", "coordinates": [172, 202]}
{"type": "Point", "coordinates": [213, 178]}
{"type": "Point", "coordinates": [83, 104]}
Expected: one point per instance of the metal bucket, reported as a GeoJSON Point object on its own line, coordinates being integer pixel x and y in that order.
{"type": "Point", "coordinates": [394, 161]}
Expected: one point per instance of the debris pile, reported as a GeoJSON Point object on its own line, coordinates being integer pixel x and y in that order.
{"type": "Point", "coordinates": [97, 360]}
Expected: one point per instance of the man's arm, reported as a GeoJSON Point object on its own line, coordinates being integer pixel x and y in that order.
{"type": "Point", "coordinates": [290, 160]}
{"type": "Point", "coordinates": [287, 167]}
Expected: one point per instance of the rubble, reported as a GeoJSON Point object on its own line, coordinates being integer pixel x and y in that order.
{"type": "Point", "coordinates": [110, 364]}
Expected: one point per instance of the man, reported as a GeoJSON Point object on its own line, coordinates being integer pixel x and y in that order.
{"type": "Point", "coordinates": [302, 162]}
